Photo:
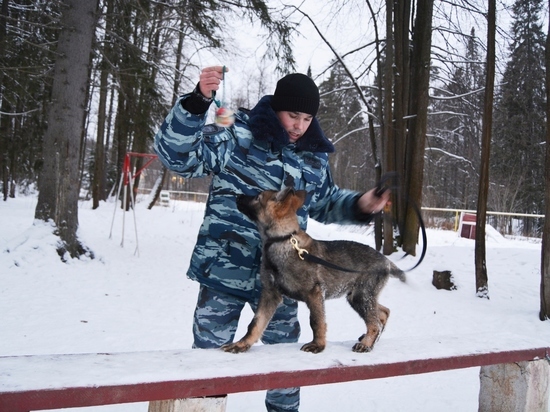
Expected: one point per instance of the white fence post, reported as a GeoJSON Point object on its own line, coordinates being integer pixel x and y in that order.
{"type": "Point", "coordinates": [212, 404]}
{"type": "Point", "coordinates": [515, 387]}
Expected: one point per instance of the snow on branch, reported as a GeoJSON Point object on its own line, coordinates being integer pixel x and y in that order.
{"type": "Point", "coordinates": [446, 153]}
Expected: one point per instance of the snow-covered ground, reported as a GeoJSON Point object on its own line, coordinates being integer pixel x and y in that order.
{"type": "Point", "coordinates": [125, 301]}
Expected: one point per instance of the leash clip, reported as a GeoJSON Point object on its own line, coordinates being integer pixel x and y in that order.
{"type": "Point", "coordinates": [294, 243]}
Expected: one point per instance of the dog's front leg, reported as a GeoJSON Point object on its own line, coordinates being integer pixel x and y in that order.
{"type": "Point", "coordinates": [269, 300]}
{"type": "Point", "coordinates": [317, 320]}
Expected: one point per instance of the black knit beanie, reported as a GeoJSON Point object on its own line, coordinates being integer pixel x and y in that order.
{"type": "Point", "coordinates": [296, 93]}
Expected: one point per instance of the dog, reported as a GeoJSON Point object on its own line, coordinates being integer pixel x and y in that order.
{"type": "Point", "coordinates": [348, 268]}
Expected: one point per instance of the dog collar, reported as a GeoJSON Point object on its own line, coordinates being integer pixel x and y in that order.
{"type": "Point", "coordinates": [278, 239]}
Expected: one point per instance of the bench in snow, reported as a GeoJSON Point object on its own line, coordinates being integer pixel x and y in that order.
{"type": "Point", "coordinates": [40, 382]}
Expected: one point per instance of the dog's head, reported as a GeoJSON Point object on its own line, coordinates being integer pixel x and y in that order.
{"type": "Point", "coordinates": [271, 208]}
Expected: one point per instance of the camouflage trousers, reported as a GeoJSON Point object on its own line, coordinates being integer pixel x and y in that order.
{"type": "Point", "coordinates": [215, 323]}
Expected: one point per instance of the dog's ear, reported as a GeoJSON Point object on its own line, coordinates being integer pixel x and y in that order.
{"type": "Point", "coordinates": [296, 200]}
{"type": "Point", "coordinates": [286, 200]}
{"type": "Point", "coordinates": [283, 194]}
{"type": "Point", "coordinates": [300, 195]}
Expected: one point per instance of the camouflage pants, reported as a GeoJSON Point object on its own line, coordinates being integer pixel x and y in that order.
{"type": "Point", "coordinates": [215, 323]}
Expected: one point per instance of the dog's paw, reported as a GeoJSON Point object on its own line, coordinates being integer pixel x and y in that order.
{"type": "Point", "coordinates": [237, 347]}
{"type": "Point", "coordinates": [313, 347]}
{"type": "Point", "coordinates": [361, 348]}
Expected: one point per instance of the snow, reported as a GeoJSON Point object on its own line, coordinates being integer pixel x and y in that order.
{"type": "Point", "coordinates": [123, 301]}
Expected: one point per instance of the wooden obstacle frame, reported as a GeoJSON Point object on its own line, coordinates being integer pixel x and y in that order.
{"type": "Point", "coordinates": [164, 378]}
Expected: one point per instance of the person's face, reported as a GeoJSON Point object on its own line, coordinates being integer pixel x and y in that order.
{"type": "Point", "coordinates": [295, 123]}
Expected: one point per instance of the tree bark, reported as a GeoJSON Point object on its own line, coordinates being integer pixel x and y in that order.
{"type": "Point", "coordinates": [5, 133]}
{"type": "Point", "coordinates": [58, 182]}
{"type": "Point", "coordinates": [545, 266]}
{"type": "Point", "coordinates": [418, 123]}
{"type": "Point", "coordinates": [99, 182]}
{"type": "Point", "coordinates": [4, 107]}
{"type": "Point", "coordinates": [482, 288]}
{"type": "Point", "coordinates": [158, 188]}
{"type": "Point", "coordinates": [389, 130]}
{"type": "Point", "coordinates": [381, 109]}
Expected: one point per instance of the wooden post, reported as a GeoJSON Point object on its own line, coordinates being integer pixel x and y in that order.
{"type": "Point", "coordinates": [210, 404]}
{"type": "Point", "coordinates": [515, 387]}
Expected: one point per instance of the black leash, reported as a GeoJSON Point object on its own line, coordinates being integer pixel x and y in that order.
{"type": "Point", "coordinates": [381, 187]}
{"type": "Point", "coordinates": [305, 255]}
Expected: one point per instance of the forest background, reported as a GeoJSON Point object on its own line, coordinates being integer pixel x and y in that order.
{"type": "Point", "coordinates": [451, 95]}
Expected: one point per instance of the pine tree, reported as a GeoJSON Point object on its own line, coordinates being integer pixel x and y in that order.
{"type": "Point", "coordinates": [58, 184]}
{"type": "Point", "coordinates": [519, 131]}
{"type": "Point", "coordinates": [341, 117]}
{"type": "Point", "coordinates": [28, 37]}
{"type": "Point", "coordinates": [453, 158]}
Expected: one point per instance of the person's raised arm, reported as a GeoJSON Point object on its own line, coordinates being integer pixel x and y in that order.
{"type": "Point", "coordinates": [199, 100]}
{"type": "Point", "coordinates": [210, 80]}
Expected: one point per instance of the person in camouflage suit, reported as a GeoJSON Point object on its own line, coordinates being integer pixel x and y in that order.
{"type": "Point", "coordinates": [277, 144]}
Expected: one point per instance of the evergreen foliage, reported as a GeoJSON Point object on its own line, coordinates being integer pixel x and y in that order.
{"type": "Point", "coordinates": [142, 56]}
{"type": "Point", "coordinates": [29, 32]}
{"type": "Point", "coordinates": [134, 53]}
{"type": "Point", "coordinates": [342, 119]}
{"type": "Point", "coordinates": [520, 117]}
{"type": "Point", "coordinates": [453, 154]}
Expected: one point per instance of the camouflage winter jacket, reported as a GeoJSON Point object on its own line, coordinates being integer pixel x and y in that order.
{"type": "Point", "coordinates": [251, 156]}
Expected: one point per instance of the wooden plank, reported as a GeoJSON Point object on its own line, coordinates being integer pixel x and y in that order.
{"type": "Point", "coordinates": [58, 381]}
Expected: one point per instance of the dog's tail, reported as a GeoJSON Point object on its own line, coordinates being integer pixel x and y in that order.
{"type": "Point", "coordinates": [396, 272]}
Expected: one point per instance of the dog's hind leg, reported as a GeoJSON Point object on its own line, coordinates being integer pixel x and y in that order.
{"type": "Point", "coordinates": [269, 301]}
{"type": "Point", "coordinates": [317, 320]}
{"type": "Point", "coordinates": [374, 330]}
{"type": "Point", "coordinates": [383, 315]}
{"type": "Point", "coordinates": [375, 317]}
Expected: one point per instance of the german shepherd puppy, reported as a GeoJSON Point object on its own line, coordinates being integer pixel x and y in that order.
{"type": "Point", "coordinates": [360, 275]}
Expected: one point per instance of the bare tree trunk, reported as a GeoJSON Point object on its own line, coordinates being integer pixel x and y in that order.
{"type": "Point", "coordinates": [175, 92]}
{"type": "Point", "coordinates": [418, 124]}
{"type": "Point", "coordinates": [126, 115]}
{"type": "Point", "coordinates": [14, 147]}
{"type": "Point", "coordinates": [99, 183]}
{"type": "Point", "coordinates": [4, 121]}
{"type": "Point", "coordinates": [58, 182]}
{"type": "Point", "coordinates": [389, 132]}
{"type": "Point", "coordinates": [3, 23]}
{"type": "Point", "coordinates": [5, 133]}
{"type": "Point", "coordinates": [158, 188]}
{"type": "Point", "coordinates": [125, 110]}
{"type": "Point", "coordinates": [82, 164]}
{"type": "Point", "coordinates": [402, 14]}
{"type": "Point", "coordinates": [396, 153]}
{"type": "Point", "coordinates": [383, 108]}
{"type": "Point", "coordinates": [142, 133]}
{"type": "Point", "coordinates": [544, 313]}
{"type": "Point", "coordinates": [179, 55]}
{"type": "Point", "coordinates": [482, 288]}
{"type": "Point", "coordinates": [109, 151]}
